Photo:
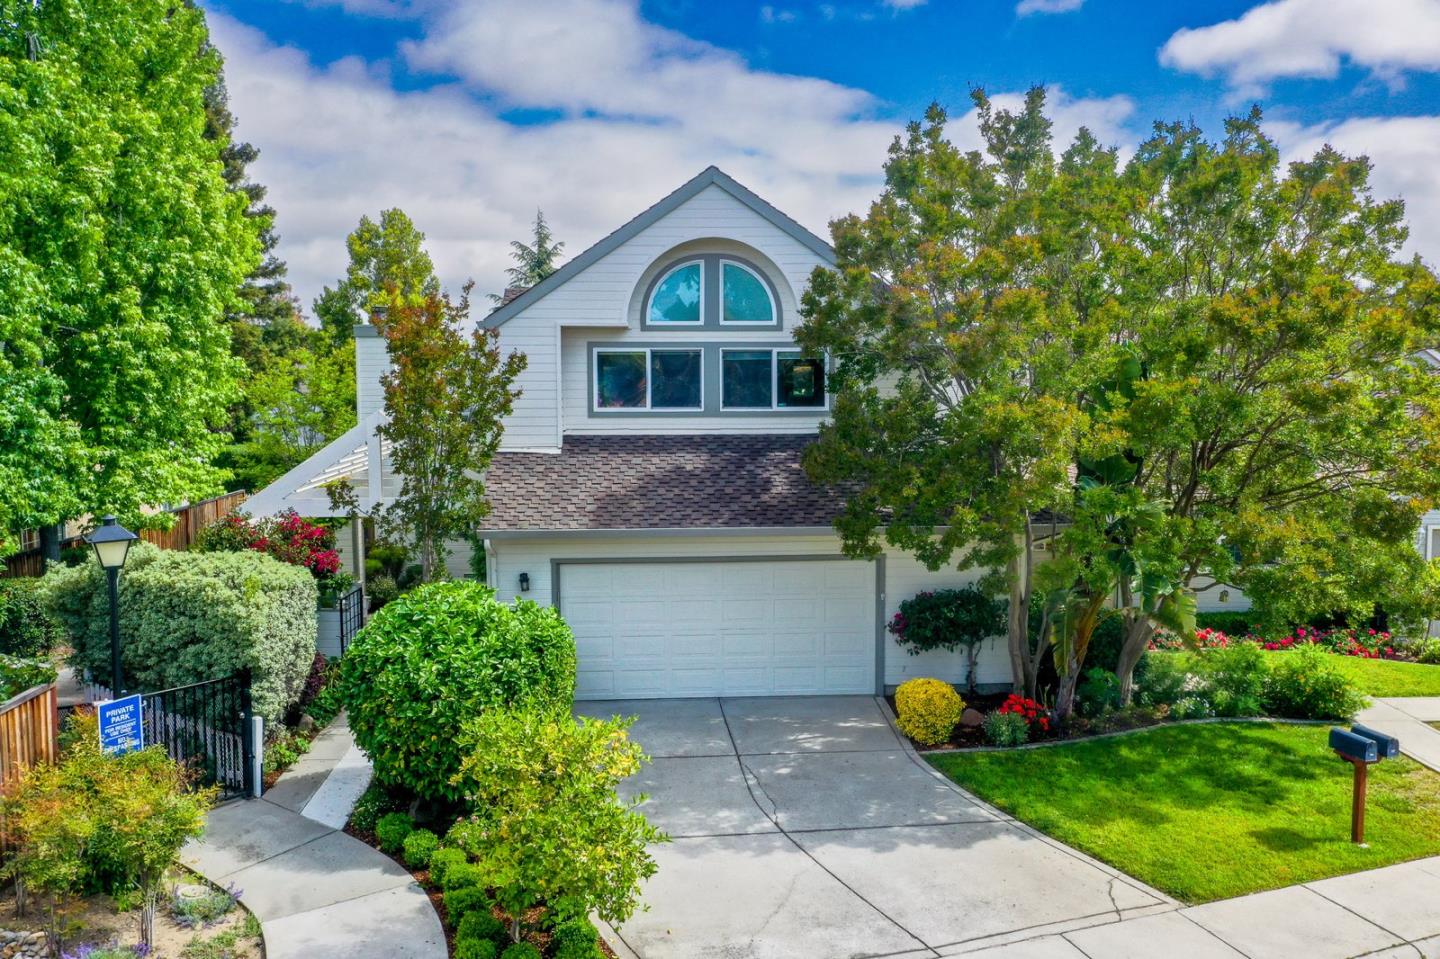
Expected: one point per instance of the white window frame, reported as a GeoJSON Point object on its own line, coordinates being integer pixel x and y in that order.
{"type": "Point", "coordinates": [770, 297]}
{"type": "Point", "coordinates": [774, 406]}
{"type": "Point", "coordinates": [1430, 552]}
{"type": "Point", "coordinates": [699, 320]}
{"type": "Point", "coordinates": [649, 380]}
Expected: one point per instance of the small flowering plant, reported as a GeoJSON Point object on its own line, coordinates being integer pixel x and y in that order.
{"type": "Point", "coordinates": [1036, 716]}
{"type": "Point", "coordinates": [1363, 643]}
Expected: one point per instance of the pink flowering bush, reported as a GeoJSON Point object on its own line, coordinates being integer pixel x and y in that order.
{"type": "Point", "coordinates": [288, 537]}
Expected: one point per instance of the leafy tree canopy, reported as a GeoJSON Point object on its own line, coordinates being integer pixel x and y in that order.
{"type": "Point", "coordinates": [387, 259]}
{"type": "Point", "coordinates": [121, 249]}
{"type": "Point", "coordinates": [533, 261]}
{"type": "Point", "coordinates": [1201, 361]}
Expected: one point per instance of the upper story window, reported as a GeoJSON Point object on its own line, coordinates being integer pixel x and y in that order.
{"type": "Point", "coordinates": [678, 297]}
{"type": "Point", "coordinates": [711, 291]}
{"type": "Point", "coordinates": [771, 380]}
{"type": "Point", "coordinates": [744, 297]}
{"type": "Point", "coordinates": [645, 379]}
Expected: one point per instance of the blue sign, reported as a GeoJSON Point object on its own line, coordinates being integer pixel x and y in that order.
{"type": "Point", "coordinates": [121, 730]}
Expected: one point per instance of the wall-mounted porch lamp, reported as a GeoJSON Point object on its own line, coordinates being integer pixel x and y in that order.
{"type": "Point", "coordinates": [524, 582]}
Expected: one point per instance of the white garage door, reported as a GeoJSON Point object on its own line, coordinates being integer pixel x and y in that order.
{"type": "Point", "coordinates": [739, 628]}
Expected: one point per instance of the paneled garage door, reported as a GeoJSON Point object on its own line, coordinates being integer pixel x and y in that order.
{"type": "Point", "coordinates": [721, 628]}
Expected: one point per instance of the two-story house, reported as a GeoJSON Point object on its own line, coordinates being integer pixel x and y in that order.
{"type": "Point", "coordinates": [649, 482]}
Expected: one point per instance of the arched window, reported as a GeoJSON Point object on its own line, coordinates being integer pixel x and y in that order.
{"type": "Point", "coordinates": [744, 296]}
{"type": "Point", "coordinates": [678, 296]}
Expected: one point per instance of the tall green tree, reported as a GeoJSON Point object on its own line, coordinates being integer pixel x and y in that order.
{"type": "Point", "coordinates": [1283, 418]}
{"type": "Point", "coordinates": [387, 260]}
{"type": "Point", "coordinates": [446, 395]}
{"type": "Point", "coordinates": [954, 316]}
{"type": "Point", "coordinates": [534, 261]}
{"type": "Point", "coordinates": [121, 249]}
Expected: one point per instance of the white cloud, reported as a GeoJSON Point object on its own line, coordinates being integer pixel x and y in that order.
{"type": "Point", "coordinates": [904, 4]}
{"type": "Point", "coordinates": [1027, 7]}
{"type": "Point", "coordinates": [1311, 38]}
{"type": "Point", "coordinates": [1405, 153]}
{"type": "Point", "coordinates": [640, 110]}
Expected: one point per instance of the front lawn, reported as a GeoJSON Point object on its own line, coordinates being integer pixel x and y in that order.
{"type": "Point", "coordinates": [1389, 677]}
{"type": "Point", "coordinates": [1210, 811]}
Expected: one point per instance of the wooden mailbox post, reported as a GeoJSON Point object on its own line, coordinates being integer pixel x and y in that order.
{"type": "Point", "coordinates": [1361, 746]}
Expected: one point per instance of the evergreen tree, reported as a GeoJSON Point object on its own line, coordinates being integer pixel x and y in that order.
{"type": "Point", "coordinates": [533, 262]}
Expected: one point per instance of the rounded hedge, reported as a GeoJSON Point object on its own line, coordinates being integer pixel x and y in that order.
{"type": "Point", "coordinates": [927, 710]}
{"type": "Point", "coordinates": [437, 656]}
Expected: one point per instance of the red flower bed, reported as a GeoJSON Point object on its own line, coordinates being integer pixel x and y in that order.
{"type": "Point", "coordinates": [1036, 716]}
{"type": "Point", "coordinates": [1367, 643]}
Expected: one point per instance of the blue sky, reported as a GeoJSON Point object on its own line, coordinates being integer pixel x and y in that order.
{"type": "Point", "coordinates": [471, 113]}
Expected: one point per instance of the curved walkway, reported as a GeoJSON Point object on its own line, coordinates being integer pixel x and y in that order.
{"type": "Point", "coordinates": [316, 891]}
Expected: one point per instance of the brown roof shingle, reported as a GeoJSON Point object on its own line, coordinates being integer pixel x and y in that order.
{"type": "Point", "coordinates": [659, 482]}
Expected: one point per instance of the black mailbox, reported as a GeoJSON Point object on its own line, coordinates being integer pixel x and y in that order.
{"type": "Point", "coordinates": [1389, 746]}
{"type": "Point", "coordinates": [1354, 748]}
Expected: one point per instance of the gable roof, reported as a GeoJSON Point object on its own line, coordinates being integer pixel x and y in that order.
{"type": "Point", "coordinates": [710, 176]}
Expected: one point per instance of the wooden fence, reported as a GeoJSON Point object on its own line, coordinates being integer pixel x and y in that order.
{"type": "Point", "coordinates": [189, 520]}
{"type": "Point", "coordinates": [29, 732]}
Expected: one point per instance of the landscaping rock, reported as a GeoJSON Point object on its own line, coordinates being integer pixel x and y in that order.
{"type": "Point", "coordinates": [306, 723]}
{"type": "Point", "coordinates": [22, 944]}
{"type": "Point", "coordinates": [972, 718]}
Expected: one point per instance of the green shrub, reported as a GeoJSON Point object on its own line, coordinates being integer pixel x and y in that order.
{"type": "Point", "coordinates": [462, 875]}
{"type": "Point", "coordinates": [1099, 691]}
{"type": "Point", "coordinates": [1105, 643]}
{"type": "Point", "coordinates": [436, 657]}
{"type": "Point", "coordinates": [18, 675]}
{"type": "Point", "coordinates": [520, 950]}
{"type": "Point", "coordinates": [373, 803]}
{"type": "Point", "coordinates": [553, 829]}
{"type": "Point", "coordinates": [1308, 683]}
{"type": "Point", "coordinates": [189, 617]}
{"type": "Point", "coordinates": [93, 820]}
{"type": "Point", "coordinates": [1428, 652]}
{"type": "Point", "coordinates": [380, 591]}
{"type": "Point", "coordinates": [419, 846]}
{"type": "Point", "coordinates": [1234, 678]}
{"type": "Point", "coordinates": [392, 830]}
{"type": "Point", "coordinates": [474, 949]}
{"type": "Point", "coordinates": [27, 629]}
{"type": "Point", "coordinates": [480, 925]}
{"type": "Point", "coordinates": [1229, 622]}
{"type": "Point", "coordinates": [576, 939]}
{"type": "Point", "coordinates": [1006, 729]}
{"type": "Point", "coordinates": [927, 710]}
{"type": "Point", "coordinates": [460, 902]}
{"type": "Point", "coordinates": [1163, 679]}
{"type": "Point", "coordinates": [441, 861]}
{"type": "Point", "coordinates": [949, 619]}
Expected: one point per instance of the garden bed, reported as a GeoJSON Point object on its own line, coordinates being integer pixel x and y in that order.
{"type": "Point", "coordinates": [437, 895]}
{"type": "Point", "coordinates": [207, 923]}
{"type": "Point", "coordinates": [1207, 811]}
{"type": "Point", "coordinates": [1079, 727]}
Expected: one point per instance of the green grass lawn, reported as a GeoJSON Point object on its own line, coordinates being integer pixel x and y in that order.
{"type": "Point", "coordinates": [1388, 677]}
{"type": "Point", "coordinates": [1211, 811]}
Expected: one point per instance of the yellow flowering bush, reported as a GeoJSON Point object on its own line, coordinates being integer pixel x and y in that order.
{"type": "Point", "coordinates": [928, 710]}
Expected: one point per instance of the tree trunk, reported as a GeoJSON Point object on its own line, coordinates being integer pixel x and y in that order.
{"type": "Point", "coordinates": [1137, 639]}
{"type": "Point", "coordinates": [1024, 659]}
{"type": "Point", "coordinates": [972, 653]}
{"type": "Point", "coordinates": [147, 917]}
{"type": "Point", "coordinates": [1065, 691]}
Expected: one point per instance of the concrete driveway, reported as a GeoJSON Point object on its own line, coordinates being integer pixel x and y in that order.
{"type": "Point", "coordinates": [804, 827]}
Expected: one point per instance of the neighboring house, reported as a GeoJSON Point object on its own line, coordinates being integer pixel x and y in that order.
{"type": "Point", "coordinates": [649, 481]}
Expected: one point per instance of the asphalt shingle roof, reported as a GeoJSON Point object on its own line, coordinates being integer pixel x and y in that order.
{"type": "Point", "coordinates": [659, 482]}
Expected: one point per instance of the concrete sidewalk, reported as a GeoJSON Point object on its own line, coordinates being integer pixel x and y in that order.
{"type": "Point", "coordinates": [316, 891]}
{"type": "Point", "coordinates": [1408, 719]}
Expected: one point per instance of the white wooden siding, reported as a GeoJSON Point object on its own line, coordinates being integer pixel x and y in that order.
{"type": "Point", "coordinates": [607, 295]}
{"type": "Point", "coordinates": [372, 360]}
{"type": "Point", "coordinates": [906, 576]}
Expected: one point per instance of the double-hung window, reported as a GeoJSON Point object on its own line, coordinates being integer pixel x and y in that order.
{"type": "Point", "coordinates": [648, 379]}
{"type": "Point", "coordinates": [771, 379]}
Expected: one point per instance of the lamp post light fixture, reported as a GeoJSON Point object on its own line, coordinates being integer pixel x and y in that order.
{"type": "Point", "coordinates": [112, 544]}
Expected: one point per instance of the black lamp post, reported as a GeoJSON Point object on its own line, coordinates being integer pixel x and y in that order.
{"type": "Point", "coordinates": [112, 544]}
